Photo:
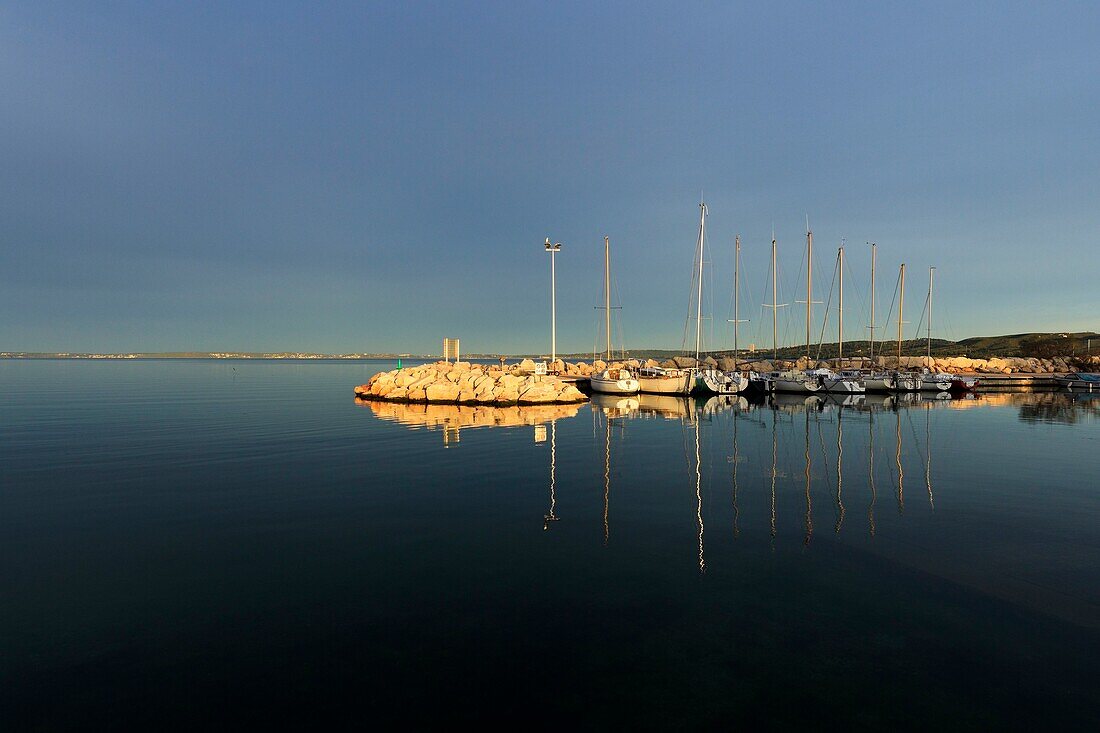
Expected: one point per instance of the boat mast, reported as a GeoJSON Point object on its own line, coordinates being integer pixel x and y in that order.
{"type": "Point", "coordinates": [775, 308]}
{"type": "Point", "coordinates": [607, 291]}
{"type": "Point", "coordinates": [809, 282]}
{"type": "Point", "coordinates": [736, 262]}
{"type": "Point", "coordinates": [901, 306]}
{"type": "Point", "coordinates": [873, 248]}
{"type": "Point", "coordinates": [840, 308]}
{"type": "Point", "coordinates": [699, 301]}
{"type": "Point", "coordinates": [736, 294]}
{"type": "Point", "coordinates": [929, 332]}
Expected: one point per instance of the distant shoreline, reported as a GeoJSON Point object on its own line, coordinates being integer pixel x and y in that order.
{"type": "Point", "coordinates": [1022, 344]}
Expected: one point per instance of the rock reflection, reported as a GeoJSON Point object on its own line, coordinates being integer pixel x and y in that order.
{"type": "Point", "coordinates": [452, 418]}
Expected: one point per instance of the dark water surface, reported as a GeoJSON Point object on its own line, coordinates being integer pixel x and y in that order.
{"type": "Point", "coordinates": [226, 544]}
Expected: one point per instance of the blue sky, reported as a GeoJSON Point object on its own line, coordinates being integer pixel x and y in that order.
{"type": "Point", "coordinates": [355, 177]}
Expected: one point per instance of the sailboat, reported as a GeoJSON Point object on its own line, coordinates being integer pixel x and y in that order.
{"type": "Point", "coordinates": [929, 380]}
{"type": "Point", "coordinates": [710, 380]}
{"type": "Point", "coordinates": [844, 382]}
{"type": "Point", "coordinates": [795, 380]}
{"type": "Point", "coordinates": [619, 380]}
{"type": "Point", "coordinates": [904, 381]}
{"type": "Point", "coordinates": [876, 381]}
{"type": "Point", "coordinates": [940, 381]}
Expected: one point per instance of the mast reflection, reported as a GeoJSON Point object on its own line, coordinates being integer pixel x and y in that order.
{"type": "Point", "coordinates": [839, 470]}
{"type": "Point", "coordinates": [928, 455]}
{"type": "Point", "coordinates": [897, 459]}
{"type": "Point", "coordinates": [699, 496]}
{"type": "Point", "coordinates": [809, 520]}
{"type": "Point", "coordinates": [871, 471]}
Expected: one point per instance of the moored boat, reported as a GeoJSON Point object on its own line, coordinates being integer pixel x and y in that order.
{"type": "Point", "coordinates": [797, 382]}
{"type": "Point", "coordinates": [614, 381]}
{"type": "Point", "coordinates": [1087, 381]}
{"type": "Point", "coordinates": [933, 382]}
{"type": "Point", "coordinates": [655, 380]}
{"type": "Point", "coordinates": [907, 382]}
{"type": "Point", "coordinates": [880, 382]}
{"type": "Point", "coordinates": [845, 382]}
{"type": "Point", "coordinates": [963, 384]}
{"type": "Point", "coordinates": [713, 381]}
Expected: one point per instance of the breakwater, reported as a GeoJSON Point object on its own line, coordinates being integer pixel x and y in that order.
{"type": "Point", "coordinates": [470, 384]}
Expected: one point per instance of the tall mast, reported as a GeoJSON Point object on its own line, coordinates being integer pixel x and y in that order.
{"type": "Point", "coordinates": [736, 262]}
{"type": "Point", "coordinates": [775, 308]}
{"type": "Point", "coordinates": [873, 248]}
{"type": "Point", "coordinates": [929, 340]}
{"type": "Point", "coordinates": [809, 282]}
{"type": "Point", "coordinates": [901, 307]}
{"type": "Point", "coordinates": [699, 301]}
{"type": "Point", "coordinates": [840, 308]}
{"type": "Point", "coordinates": [736, 292]}
{"type": "Point", "coordinates": [607, 291]}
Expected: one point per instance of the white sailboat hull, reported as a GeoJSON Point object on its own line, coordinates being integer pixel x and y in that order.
{"type": "Point", "coordinates": [879, 383]}
{"type": "Point", "coordinates": [907, 383]}
{"type": "Point", "coordinates": [795, 385]}
{"type": "Point", "coordinates": [675, 384]}
{"type": "Point", "coordinates": [935, 383]}
{"type": "Point", "coordinates": [843, 385]}
{"type": "Point", "coordinates": [607, 383]}
{"type": "Point", "coordinates": [716, 382]}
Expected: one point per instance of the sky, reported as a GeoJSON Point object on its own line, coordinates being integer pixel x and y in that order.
{"type": "Point", "coordinates": [356, 177]}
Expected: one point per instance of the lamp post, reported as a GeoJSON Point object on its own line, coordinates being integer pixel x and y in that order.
{"type": "Point", "coordinates": [553, 249]}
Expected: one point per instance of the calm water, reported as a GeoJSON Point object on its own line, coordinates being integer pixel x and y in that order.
{"type": "Point", "coordinates": [223, 544]}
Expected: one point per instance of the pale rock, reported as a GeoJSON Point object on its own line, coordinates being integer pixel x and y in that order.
{"type": "Point", "coordinates": [506, 395]}
{"type": "Point", "coordinates": [538, 392]}
{"type": "Point", "coordinates": [442, 392]}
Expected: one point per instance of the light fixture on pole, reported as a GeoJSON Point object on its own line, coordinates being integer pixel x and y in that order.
{"type": "Point", "coordinates": [553, 249]}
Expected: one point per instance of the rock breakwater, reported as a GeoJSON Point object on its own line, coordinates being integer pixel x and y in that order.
{"type": "Point", "coordinates": [470, 384]}
{"type": "Point", "coordinates": [952, 365]}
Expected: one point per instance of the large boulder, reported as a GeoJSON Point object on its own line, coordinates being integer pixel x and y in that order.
{"type": "Point", "coordinates": [727, 364]}
{"type": "Point", "coordinates": [527, 366]}
{"type": "Point", "coordinates": [569, 393]}
{"type": "Point", "coordinates": [683, 362]}
{"type": "Point", "coordinates": [445, 391]}
{"type": "Point", "coordinates": [506, 394]}
{"type": "Point", "coordinates": [539, 392]}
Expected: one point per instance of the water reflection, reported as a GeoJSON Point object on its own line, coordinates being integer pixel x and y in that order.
{"type": "Point", "coordinates": [789, 426]}
{"type": "Point", "coordinates": [1058, 408]}
{"type": "Point", "coordinates": [550, 515]}
{"type": "Point", "coordinates": [451, 419]}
